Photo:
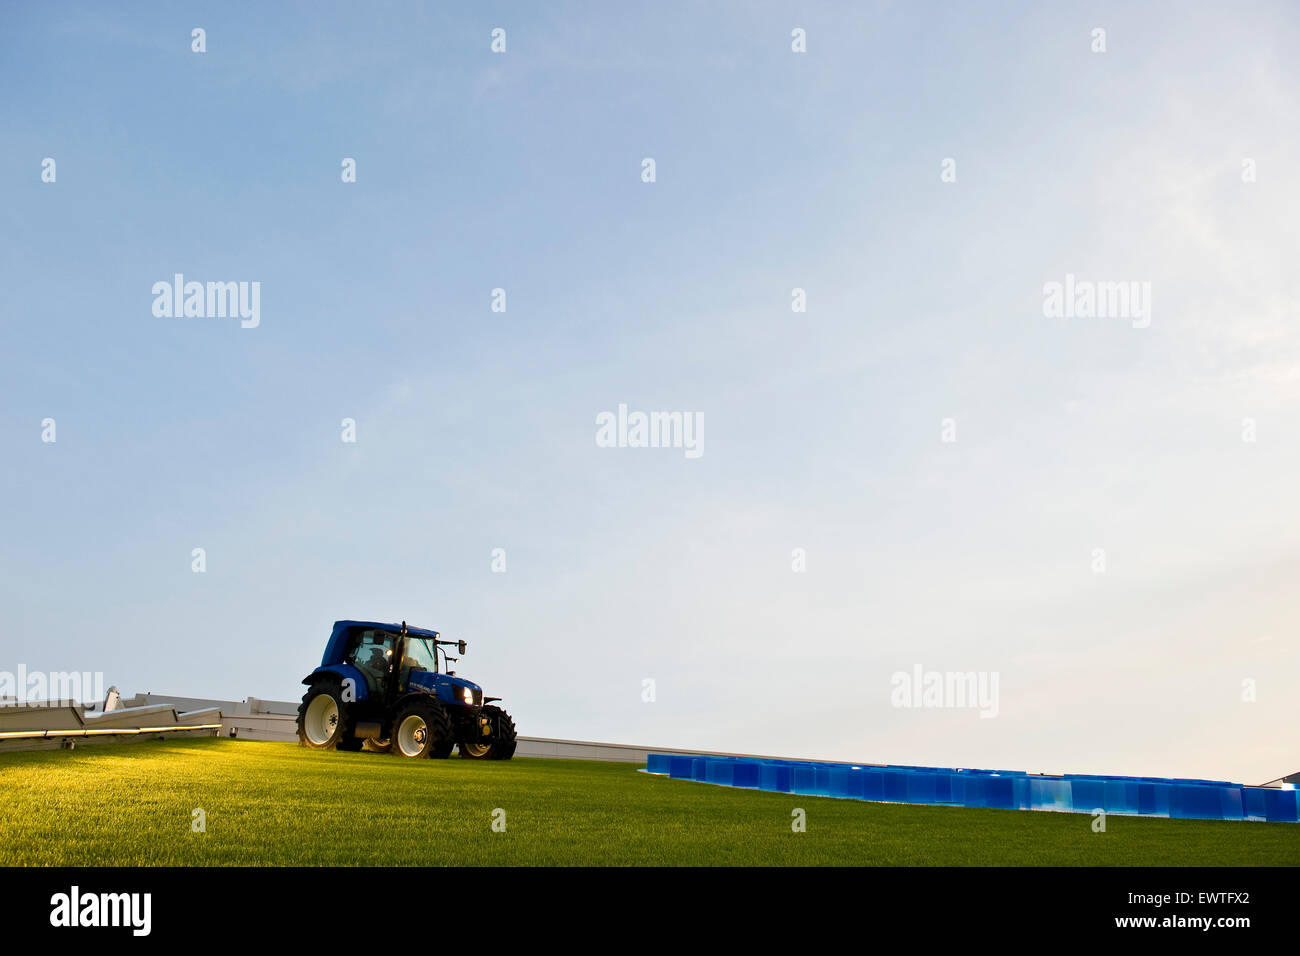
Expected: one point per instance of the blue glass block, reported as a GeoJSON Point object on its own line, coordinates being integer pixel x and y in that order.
{"type": "Point", "coordinates": [1000, 793]}
{"type": "Point", "coordinates": [1153, 799]}
{"type": "Point", "coordinates": [745, 773]}
{"type": "Point", "coordinates": [1255, 806]}
{"type": "Point", "coordinates": [681, 767]}
{"type": "Point", "coordinates": [1282, 806]}
{"type": "Point", "coordinates": [838, 785]}
{"type": "Point", "coordinates": [804, 779]}
{"type": "Point", "coordinates": [921, 787]}
{"type": "Point", "coordinates": [975, 791]}
{"type": "Point", "coordinates": [1121, 796]}
{"type": "Point", "coordinates": [1087, 794]}
{"type": "Point", "coordinates": [657, 763]}
{"type": "Point", "coordinates": [1192, 801]}
{"type": "Point", "coordinates": [822, 772]}
{"type": "Point", "coordinates": [873, 784]}
{"type": "Point", "coordinates": [857, 782]}
{"type": "Point", "coordinates": [1230, 803]}
{"type": "Point", "coordinates": [719, 771]}
{"type": "Point", "coordinates": [943, 787]}
{"type": "Point", "coordinates": [1131, 793]}
{"type": "Point", "coordinates": [1050, 793]}
{"type": "Point", "coordinates": [895, 785]}
{"type": "Point", "coordinates": [700, 769]}
{"type": "Point", "coordinates": [949, 787]}
{"type": "Point", "coordinates": [774, 777]}
{"type": "Point", "coordinates": [1146, 797]}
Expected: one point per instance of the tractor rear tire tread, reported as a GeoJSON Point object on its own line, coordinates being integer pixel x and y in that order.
{"type": "Point", "coordinates": [342, 739]}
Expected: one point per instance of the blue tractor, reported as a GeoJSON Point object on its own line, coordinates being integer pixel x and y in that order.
{"type": "Point", "coordinates": [379, 688]}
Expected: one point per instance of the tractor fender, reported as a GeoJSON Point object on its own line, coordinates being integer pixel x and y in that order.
{"type": "Point", "coordinates": [341, 672]}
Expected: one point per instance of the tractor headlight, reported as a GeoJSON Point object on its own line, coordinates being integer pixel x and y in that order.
{"type": "Point", "coordinates": [467, 695]}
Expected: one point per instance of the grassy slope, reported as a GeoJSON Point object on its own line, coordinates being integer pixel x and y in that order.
{"type": "Point", "coordinates": [278, 804]}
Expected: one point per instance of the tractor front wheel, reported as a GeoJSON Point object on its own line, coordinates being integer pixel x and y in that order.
{"type": "Point", "coordinates": [495, 738]}
{"type": "Point", "coordinates": [422, 729]}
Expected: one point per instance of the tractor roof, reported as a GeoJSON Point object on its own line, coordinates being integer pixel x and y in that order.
{"type": "Point", "coordinates": [337, 645]}
{"type": "Point", "coordinates": [410, 628]}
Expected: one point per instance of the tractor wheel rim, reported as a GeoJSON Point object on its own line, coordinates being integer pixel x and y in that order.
{"type": "Point", "coordinates": [322, 719]}
{"type": "Point", "coordinates": [412, 735]}
{"type": "Point", "coordinates": [479, 748]}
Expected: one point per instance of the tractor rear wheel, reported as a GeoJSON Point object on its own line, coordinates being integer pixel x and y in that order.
{"type": "Point", "coordinates": [422, 729]}
{"type": "Point", "coordinates": [323, 718]}
{"type": "Point", "coordinates": [496, 739]}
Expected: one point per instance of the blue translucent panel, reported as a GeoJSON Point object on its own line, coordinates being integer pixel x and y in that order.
{"type": "Point", "coordinates": [1050, 793]}
{"type": "Point", "coordinates": [658, 763]}
{"type": "Point", "coordinates": [681, 767]}
{"type": "Point", "coordinates": [719, 771]}
{"type": "Point", "coordinates": [896, 785]}
{"type": "Point", "coordinates": [774, 777]}
{"type": "Point", "coordinates": [1121, 795]}
{"type": "Point", "coordinates": [1081, 793]}
{"type": "Point", "coordinates": [921, 787]}
{"type": "Point", "coordinates": [873, 784]}
{"type": "Point", "coordinates": [1087, 794]}
{"type": "Point", "coordinates": [804, 779]}
{"type": "Point", "coordinates": [746, 773]}
{"type": "Point", "coordinates": [1153, 799]}
{"type": "Point", "coordinates": [1192, 801]}
{"type": "Point", "coordinates": [943, 788]}
{"type": "Point", "coordinates": [1230, 803]}
{"type": "Point", "coordinates": [1282, 806]}
{"type": "Point", "coordinates": [823, 778]}
{"type": "Point", "coordinates": [838, 783]}
{"type": "Point", "coordinates": [1000, 793]}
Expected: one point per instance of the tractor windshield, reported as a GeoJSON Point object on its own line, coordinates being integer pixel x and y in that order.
{"type": "Point", "coordinates": [421, 655]}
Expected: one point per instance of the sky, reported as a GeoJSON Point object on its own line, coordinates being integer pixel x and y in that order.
{"type": "Point", "coordinates": [922, 469]}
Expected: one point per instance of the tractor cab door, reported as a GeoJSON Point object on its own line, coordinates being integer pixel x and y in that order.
{"type": "Point", "coordinates": [372, 654]}
{"type": "Point", "coordinates": [418, 654]}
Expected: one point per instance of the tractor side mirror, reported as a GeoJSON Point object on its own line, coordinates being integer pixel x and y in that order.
{"type": "Point", "coordinates": [461, 646]}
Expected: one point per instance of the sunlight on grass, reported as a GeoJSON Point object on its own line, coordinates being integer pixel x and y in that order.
{"type": "Point", "coordinates": [278, 804]}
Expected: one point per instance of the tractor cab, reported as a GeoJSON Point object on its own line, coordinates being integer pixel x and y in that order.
{"type": "Point", "coordinates": [392, 663]}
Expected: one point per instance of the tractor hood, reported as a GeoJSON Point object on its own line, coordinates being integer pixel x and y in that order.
{"type": "Point", "coordinates": [449, 690]}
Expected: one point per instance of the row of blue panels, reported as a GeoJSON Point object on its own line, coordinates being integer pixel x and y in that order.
{"type": "Point", "coordinates": [1013, 790]}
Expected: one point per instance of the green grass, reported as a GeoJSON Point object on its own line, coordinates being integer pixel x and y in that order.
{"type": "Point", "coordinates": [279, 804]}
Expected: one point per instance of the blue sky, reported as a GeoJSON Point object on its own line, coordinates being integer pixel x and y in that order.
{"type": "Point", "coordinates": [475, 429]}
